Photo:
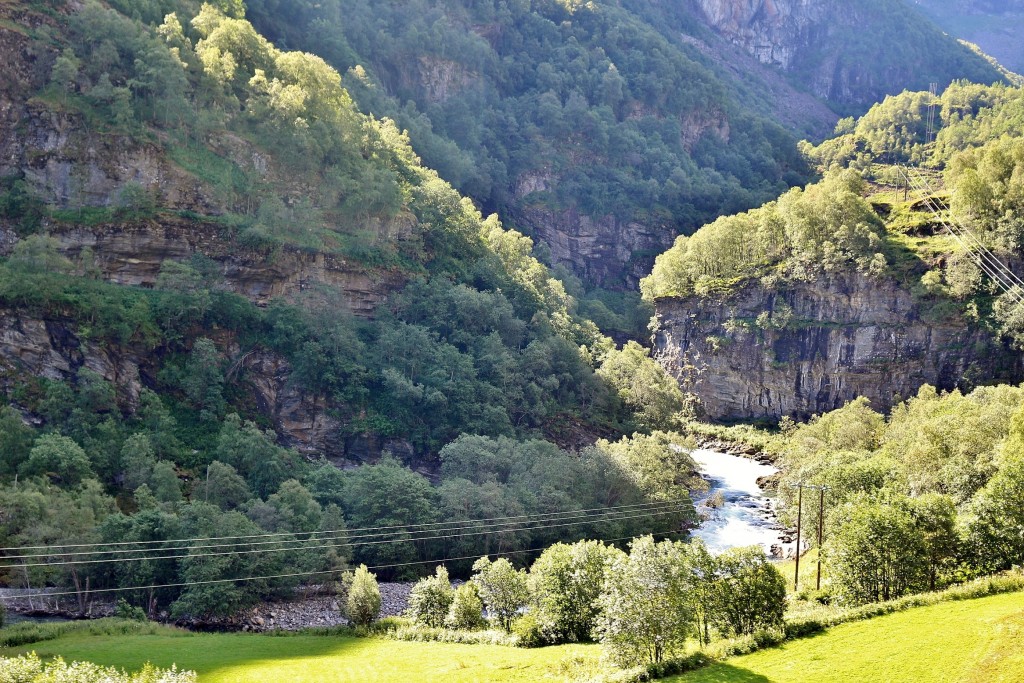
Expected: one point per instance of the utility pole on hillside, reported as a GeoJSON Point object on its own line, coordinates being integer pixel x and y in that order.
{"type": "Point", "coordinates": [800, 486]}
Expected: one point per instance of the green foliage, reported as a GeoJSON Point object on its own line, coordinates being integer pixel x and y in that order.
{"type": "Point", "coordinates": [876, 553]}
{"type": "Point", "coordinates": [659, 464]}
{"type": "Point", "coordinates": [597, 102]}
{"type": "Point", "coordinates": [30, 669]}
{"type": "Point", "coordinates": [503, 589]}
{"type": "Point", "coordinates": [646, 614]}
{"type": "Point", "coordinates": [644, 386]}
{"type": "Point", "coordinates": [527, 631]}
{"type": "Point", "coordinates": [363, 603]}
{"type": "Point", "coordinates": [59, 458]}
{"type": "Point", "coordinates": [430, 600]}
{"type": "Point", "coordinates": [124, 610]}
{"type": "Point", "coordinates": [466, 612]}
{"type": "Point", "coordinates": [565, 582]}
{"type": "Point", "coordinates": [825, 226]}
{"type": "Point", "coordinates": [749, 592]}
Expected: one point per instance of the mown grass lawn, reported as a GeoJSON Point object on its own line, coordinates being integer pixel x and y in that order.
{"type": "Point", "coordinates": [970, 641]}
{"type": "Point", "coordinates": [238, 658]}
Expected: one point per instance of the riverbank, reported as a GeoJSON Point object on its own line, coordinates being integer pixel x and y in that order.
{"type": "Point", "coordinates": [304, 611]}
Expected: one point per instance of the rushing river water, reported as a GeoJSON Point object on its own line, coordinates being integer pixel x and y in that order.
{"type": "Point", "coordinates": [745, 516]}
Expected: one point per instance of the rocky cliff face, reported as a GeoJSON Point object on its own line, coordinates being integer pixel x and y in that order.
{"type": "Point", "coordinates": [821, 43]}
{"type": "Point", "coordinates": [811, 347]}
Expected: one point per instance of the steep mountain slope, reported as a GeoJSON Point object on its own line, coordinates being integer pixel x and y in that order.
{"type": "Point", "coordinates": [849, 54]}
{"type": "Point", "coordinates": [851, 288]}
{"type": "Point", "coordinates": [997, 26]}
{"type": "Point", "coordinates": [233, 305]}
{"type": "Point", "coordinates": [606, 128]}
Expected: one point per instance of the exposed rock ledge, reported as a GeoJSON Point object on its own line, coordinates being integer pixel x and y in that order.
{"type": "Point", "coordinates": [821, 344]}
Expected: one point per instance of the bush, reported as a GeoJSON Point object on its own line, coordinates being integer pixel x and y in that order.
{"type": "Point", "coordinates": [527, 629]}
{"type": "Point", "coordinates": [363, 604]}
{"type": "Point", "coordinates": [124, 610]}
{"type": "Point", "coordinates": [30, 669]}
{"type": "Point", "coordinates": [467, 609]}
{"type": "Point", "coordinates": [431, 598]}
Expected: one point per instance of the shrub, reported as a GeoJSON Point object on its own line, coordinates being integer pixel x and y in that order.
{"type": "Point", "coordinates": [431, 598]}
{"type": "Point", "coordinates": [527, 629]}
{"type": "Point", "coordinates": [363, 604]}
{"type": "Point", "coordinates": [124, 610]}
{"type": "Point", "coordinates": [467, 609]}
{"type": "Point", "coordinates": [30, 669]}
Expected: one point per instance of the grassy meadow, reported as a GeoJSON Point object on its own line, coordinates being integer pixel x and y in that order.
{"type": "Point", "coordinates": [969, 641]}
{"type": "Point", "coordinates": [250, 658]}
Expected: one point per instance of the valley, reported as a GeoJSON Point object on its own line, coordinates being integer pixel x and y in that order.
{"type": "Point", "coordinates": [506, 334]}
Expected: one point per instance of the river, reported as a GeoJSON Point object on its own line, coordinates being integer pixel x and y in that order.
{"type": "Point", "coordinates": [745, 517]}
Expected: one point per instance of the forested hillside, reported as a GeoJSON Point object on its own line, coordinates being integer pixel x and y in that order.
{"type": "Point", "coordinates": [853, 285]}
{"type": "Point", "coordinates": [222, 284]}
{"type": "Point", "coordinates": [604, 129]}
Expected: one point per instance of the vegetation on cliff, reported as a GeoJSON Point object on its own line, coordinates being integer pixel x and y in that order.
{"type": "Point", "coordinates": [473, 359]}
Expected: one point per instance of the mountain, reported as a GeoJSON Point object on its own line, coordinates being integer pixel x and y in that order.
{"type": "Point", "coordinates": [997, 26]}
{"type": "Point", "coordinates": [853, 286]}
{"type": "Point", "coordinates": [604, 129]}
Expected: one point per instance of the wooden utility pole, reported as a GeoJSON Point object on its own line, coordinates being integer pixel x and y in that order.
{"type": "Point", "coordinates": [799, 515]}
{"type": "Point", "coordinates": [821, 530]}
{"type": "Point", "coordinates": [821, 527]}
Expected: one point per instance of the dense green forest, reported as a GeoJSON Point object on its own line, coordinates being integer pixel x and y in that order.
{"type": "Point", "coordinates": [862, 215]}
{"type": "Point", "coordinates": [478, 338]}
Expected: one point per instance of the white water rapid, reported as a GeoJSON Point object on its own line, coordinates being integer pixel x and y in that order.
{"type": "Point", "coordinates": [745, 517]}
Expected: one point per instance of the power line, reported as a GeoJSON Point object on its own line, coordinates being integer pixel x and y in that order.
{"type": "Point", "coordinates": [286, 533]}
{"type": "Point", "coordinates": [608, 518]}
{"type": "Point", "coordinates": [1001, 275]}
{"type": "Point", "coordinates": [1001, 267]}
{"type": "Point", "coordinates": [345, 534]}
{"type": "Point", "coordinates": [285, 576]}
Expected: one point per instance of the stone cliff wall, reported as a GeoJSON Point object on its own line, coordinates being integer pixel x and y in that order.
{"type": "Point", "coordinates": [814, 41]}
{"type": "Point", "coordinates": [819, 345]}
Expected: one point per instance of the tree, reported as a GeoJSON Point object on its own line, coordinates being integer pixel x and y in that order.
{"type": "Point", "coordinates": [565, 583]}
{"type": "Point", "coordinates": [58, 457]}
{"type": "Point", "coordinates": [646, 612]}
{"type": "Point", "coordinates": [203, 380]}
{"type": "Point", "coordinates": [876, 552]}
{"type": "Point", "coordinates": [467, 610]}
{"type": "Point", "coordinates": [644, 386]}
{"type": "Point", "coordinates": [363, 604]}
{"type": "Point", "coordinates": [164, 483]}
{"type": "Point", "coordinates": [388, 495]}
{"type": "Point", "coordinates": [65, 72]}
{"type": "Point", "coordinates": [935, 517]}
{"type": "Point", "coordinates": [15, 441]}
{"type": "Point", "coordinates": [750, 592]}
{"type": "Point", "coordinates": [503, 589]}
{"type": "Point", "coordinates": [223, 487]}
{"type": "Point", "coordinates": [431, 598]}
{"type": "Point", "coordinates": [995, 519]}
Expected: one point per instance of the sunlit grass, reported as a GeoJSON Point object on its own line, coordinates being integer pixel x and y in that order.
{"type": "Point", "coordinates": [234, 658]}
{"type": "Point", "coordinates": [970, 640]}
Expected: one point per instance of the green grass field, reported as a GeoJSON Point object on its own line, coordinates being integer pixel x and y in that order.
{"type": "Point", "coordinates": [238, 658]}
{"type": "Point", "coordinates": [970, 641]}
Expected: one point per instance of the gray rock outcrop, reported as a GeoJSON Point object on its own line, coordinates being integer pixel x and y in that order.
{"type": "Point", "coordinates": [809, 347]}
